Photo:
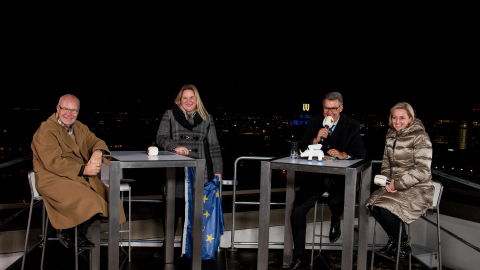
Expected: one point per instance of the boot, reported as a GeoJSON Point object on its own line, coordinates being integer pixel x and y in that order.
{"type": "Point", "coordinates": [390, 246]}
{"type": "Point", "coordinates": [405, 250]}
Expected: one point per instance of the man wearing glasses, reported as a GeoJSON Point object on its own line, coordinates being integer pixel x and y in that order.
{"type": "Point", "coordinates": [342, 141]}
{"type": "Point", "coordinates": [66, 159]}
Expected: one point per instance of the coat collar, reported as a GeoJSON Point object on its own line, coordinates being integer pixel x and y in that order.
{"type": "Point", "coordinates": [417, 125]}
{"type": "Point", "coordinates": [182, 120]}
{"type": "Point", "coordinates": [66, 138]}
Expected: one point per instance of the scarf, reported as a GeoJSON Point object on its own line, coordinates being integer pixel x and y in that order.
{"type": "Point", "coordinates": [183, 119]}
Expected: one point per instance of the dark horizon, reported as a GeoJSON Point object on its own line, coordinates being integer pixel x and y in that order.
{"type": "Point", "coordinates": [261, 57]}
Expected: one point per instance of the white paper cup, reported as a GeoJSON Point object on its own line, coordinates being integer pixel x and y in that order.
{"type": "Point", "coordinates": [152, 151]}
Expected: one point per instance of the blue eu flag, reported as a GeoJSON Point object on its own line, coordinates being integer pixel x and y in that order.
{"type": "Point", "coordinates": [213, 225]}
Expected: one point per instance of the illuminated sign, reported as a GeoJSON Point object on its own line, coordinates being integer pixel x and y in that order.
{"type": "Point", "coordinates": [297, 122]}
{"type": "Point", "coordinates": [306, 107]}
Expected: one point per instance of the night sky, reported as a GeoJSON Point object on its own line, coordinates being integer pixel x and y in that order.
{"type": "Point", "coordinates": [245, 57]}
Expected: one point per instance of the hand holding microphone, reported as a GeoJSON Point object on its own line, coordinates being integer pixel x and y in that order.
{"type": "Point", "coordinates": [382, 180]}
{"type": "Point", "coordinates": [323, 133]}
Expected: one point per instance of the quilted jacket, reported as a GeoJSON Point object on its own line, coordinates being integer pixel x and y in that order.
{"type": "Point", "coordinates": [407, 159]}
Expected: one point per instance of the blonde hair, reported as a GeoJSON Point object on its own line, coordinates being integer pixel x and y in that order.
{"type": "Point", "coordinates": [405, 106]}
{"type": "Point", "coordinates": [200, 108]}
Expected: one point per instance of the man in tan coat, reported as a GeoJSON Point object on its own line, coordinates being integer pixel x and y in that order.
{"type": "Point", "coordinates": [67, 158]}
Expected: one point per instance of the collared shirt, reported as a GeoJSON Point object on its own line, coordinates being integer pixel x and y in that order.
{"type": "Point", "coordinates": [68, 129]}
{"type": "Point", "coordinates": [334, 125]}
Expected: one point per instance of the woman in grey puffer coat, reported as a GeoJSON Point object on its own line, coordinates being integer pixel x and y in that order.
{"type": "Point", "coordinates": [406, 162]}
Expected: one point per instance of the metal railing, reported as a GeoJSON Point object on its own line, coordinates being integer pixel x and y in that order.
{"type": "Point", "coordinates": [8, 164]}
{"type": "Point", "coordinates": [234, 183]}
{"type": "Point", "coordinates": [446, 176]}
{"type": "Point", "coordinates": [16, 161]}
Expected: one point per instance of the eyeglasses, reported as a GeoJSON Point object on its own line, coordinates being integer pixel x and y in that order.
{"type": "Point", "coordinates": [73, 111]}
{"type": "Point", "coordinates": [331, 109]}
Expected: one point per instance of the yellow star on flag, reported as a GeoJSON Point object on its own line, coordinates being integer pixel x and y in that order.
{"type": "Point", "coordinates": [206, 214]}
{"type": "Point", "coordinates": [205, 198]}
{"type": "Point", "coordinates": [217, 193]}
{"type": "Point", "coordinates": [210, 238]}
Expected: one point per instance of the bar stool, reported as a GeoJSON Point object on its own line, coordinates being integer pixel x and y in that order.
{"type": "Point", "coordinates": [435, 207]}
{"type": "Point", "coordinates": [37, 197]}
{"type": "Point", "coordinates": [325, 195]}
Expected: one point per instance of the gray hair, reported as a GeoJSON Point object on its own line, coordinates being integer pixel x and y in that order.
{"type": "Point", "coordinates": [333, 96]}
{"type": "Point", "coordinates": [69, 95]}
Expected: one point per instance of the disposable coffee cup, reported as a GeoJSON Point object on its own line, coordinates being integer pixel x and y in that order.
{"type": "Point", "coordinates": [152, 151]}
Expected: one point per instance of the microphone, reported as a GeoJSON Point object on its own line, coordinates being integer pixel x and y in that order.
{"type": "Point", "coordinates": [327, 123]}
{"type": "Point", "coordinates": [381, 180]}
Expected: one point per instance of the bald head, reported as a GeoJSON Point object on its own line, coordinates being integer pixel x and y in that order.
{"type": "Point", "coordinates": [68, 108]}
{"type": "Point", "coordinates": [70, 97]}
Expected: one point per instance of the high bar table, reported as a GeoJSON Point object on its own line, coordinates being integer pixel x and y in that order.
{"type": "Point", "coordinates": [138, 159]}
{"type": "Point", "coordinates": [349, 168]}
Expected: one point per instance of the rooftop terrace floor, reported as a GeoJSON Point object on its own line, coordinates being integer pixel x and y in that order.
{"type": "Point", "coordinates": [57, 257]}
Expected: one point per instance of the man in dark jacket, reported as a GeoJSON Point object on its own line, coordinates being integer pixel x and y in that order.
{"type": "Point", "coordinates": [342, 141]}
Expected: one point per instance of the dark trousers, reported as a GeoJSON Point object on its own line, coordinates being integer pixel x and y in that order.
{"type": "Point", "coordinates": [389, 222]}
{"type": "Point", "coordinates": [82, 228]}
{"type": "Point", "coordinates": [311, 190]}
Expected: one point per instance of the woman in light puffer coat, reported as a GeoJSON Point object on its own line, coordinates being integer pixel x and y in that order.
{"type": "Point", "coordinates": [406, 162]}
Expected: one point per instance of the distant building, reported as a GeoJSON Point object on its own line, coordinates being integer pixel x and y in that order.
{"type": "Point", "coordinates": [445, 132]}
{"type": "Point", "coordinates": [462, 136]}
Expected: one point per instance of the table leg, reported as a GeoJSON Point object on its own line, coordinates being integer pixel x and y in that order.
{"type": "Point", "coordinates": [95, 237]}
{"type": "Point", "coordinates": [289, 200]}
{"type": "Point", "coordinates": [197, 222]}
{"type": "Point", "coordinates": [169, 199]}
{"type": "Point", "coordinates": [349, 218]}
{"type": "Point", "coordinates": [264, 215]}
{"type": "Point", "coordinates": [114, 216]}
{"type": "Point", "coordinates": [366, 180]}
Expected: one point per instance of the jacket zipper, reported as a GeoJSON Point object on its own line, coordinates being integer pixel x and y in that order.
{"type": "Point", "coordinates": [393, 148]}
{"type": "Point", "coordinates": [392, 175]}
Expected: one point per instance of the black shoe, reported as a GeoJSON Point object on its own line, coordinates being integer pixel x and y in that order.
{"type": "Point", "coordinates": [389, 247]}
{"type": "Point", "coordinates": [404, 252]}
{"type": "Point", "coordinates": [335, 231]}
{"type": "Point", "coordinates": [64, 238]}
{"type": "Point", "coordinates": [84, 243]}
{"type": "Point", "coordinates": [296, 265]}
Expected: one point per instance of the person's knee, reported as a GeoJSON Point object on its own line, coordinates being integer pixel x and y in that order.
{"type": "Point", "coordinates": [298, 213]}
{"type": "Point", "coordinates": [336, 203]}
{"type": "Point", "coordinates": [295, 213]}
{"type": "Point", "coordinates": [374, 211]}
